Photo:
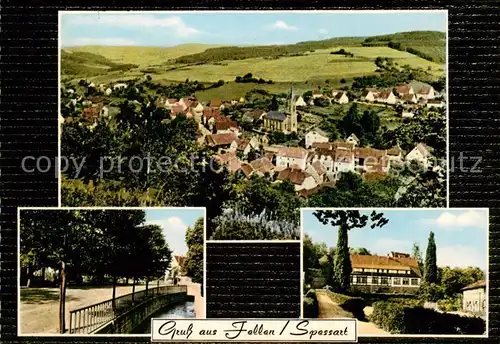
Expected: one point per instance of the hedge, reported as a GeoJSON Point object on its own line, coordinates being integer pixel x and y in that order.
{"type": "Point", "coordinates": [311, 309]}
{"type": "Point", "coordinates": [398, 318]}
{"type": "Point", "coordinates": [352, 304]}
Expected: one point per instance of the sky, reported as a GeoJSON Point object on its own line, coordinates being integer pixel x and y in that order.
{"type": "Point", "coordinates": [174, 223]}
{"type": "Point", "coordinates": [250, 28]}
{"type": "Point", "coordinates": [460, 235]}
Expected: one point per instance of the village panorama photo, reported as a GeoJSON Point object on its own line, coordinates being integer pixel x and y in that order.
{"type": "Point", "coordinates": [108, 271]}
{"type": "Point", "coordinates": [398, 271]}
{"type": "Point", "coordinates": [253, 115]}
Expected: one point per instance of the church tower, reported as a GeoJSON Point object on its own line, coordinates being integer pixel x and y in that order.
{"type": "Point", "coordinates": [293, 112]}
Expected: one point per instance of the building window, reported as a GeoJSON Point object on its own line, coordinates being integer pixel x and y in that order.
{"type": "Point", "coordinates": [362, 280]}
{"type": "Point", "coordinates": [414, 281]}
{"type": "Point", "coordinates": [384, 280]}
{"type": "Point", "coordinates": [396, 281]}
{"type": "Point", "coordinates": [408, 272]}
{"type": "Point", "coordinates": [374, 280]}
{"type": "Point", "coordinates": [406, 281]}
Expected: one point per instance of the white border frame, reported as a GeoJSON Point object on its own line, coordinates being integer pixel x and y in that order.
{"type": "Point", "coordinates": [68, 335]}
{"type": "Point", "coordinates": [487, 273]}
{"type": "Point", "coordinates": [444, 11]}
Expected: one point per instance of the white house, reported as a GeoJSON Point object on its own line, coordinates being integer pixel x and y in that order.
{"type": "Point", "coordinates": [316, 94]}
{"type": "Point", "coordinates": [386, 97]}
{"type": "Point", "coordinates": [315, 135]}
{"type": "Point", "coordinates": [108, 91]}
{"type": "Point", "coordinates": [369, 95]}
{"type": "Point", "coordinates": [426, 92]}
{"type": "Point", "coordinates": [341, 98]}
{"type": "Point", "coordinates": [407, 114]}
{"type": "Point", "coordinates": [404, 89]}
{"type": "Point", "coordinates": [475, 298]}
{"type": "Point", "coordinates": [435, 104]}
{"type": "Point", "coordinates": [352, 139]}
{"type": "Point", "coordinates": [301, 179]}
{"type": "Point", "coordinates": [120, 86]}
{"type": "Point", "coordinates": [299, 101]}
{"type": "Point", "coordinates": [291, 156]}
{"type": "Point", "coordinates": [420, 154]}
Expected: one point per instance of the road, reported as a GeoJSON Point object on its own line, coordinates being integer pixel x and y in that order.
{"type": "Point", "coordinates": [39, 309]}
{"type": "Point", "coordinates": [327, 311]}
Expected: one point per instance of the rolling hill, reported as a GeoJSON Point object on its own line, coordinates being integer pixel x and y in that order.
{"type": "Point", "coordinates": [89, 64]}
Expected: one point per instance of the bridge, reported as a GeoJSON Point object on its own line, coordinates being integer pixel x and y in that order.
{"type": "Point", "coordinates": [127, 312]}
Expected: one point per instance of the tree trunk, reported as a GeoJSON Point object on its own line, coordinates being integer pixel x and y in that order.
{"type": "Point", "coordinates": [126, 282]}
{"type": "Point", "coordinates": [43, 275]}
{"type": "Point", "coordinates": [133, 290]}
{"type": "Point", "coordinates": [113, 302]}
{"type": "Point", "coordinates": [62, 300]}
{"type": "Point", "coordinates": [29, 275]}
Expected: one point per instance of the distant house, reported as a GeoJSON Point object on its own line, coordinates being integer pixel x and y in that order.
{"type": "Point", "coordinates": [474, 298]}
{"type": "Point", "coordinates": [229, 160]}
{"type": "Point", "coordinates": [254, 115]}
{"type": "Point", "coordinates": [220, 140]}
{"type": "Point", "coordinates": [301, 179]}
{"type": "Point", "coordinates": [368, 95]}
{"type": "Point", "coordinates": [262, 166]}
{"type": "Point", "coordinates": [241, 145]}
{"type": "Point", "coordinates": [316, 94]}
{"type": "Point", "coordinates": [386, 97]}
{"type": "Point", "coordinates": [341, 98]}
{"type": "Point", "coordinates": [407, 114]}
{"type": "Point", "coordinates": [209, 113]}
{"type": "Point", "coordinates": [371, 160]}
{"type": "Point", "coordinates": [404, 90]}
{"type": "Point", "coordinates": [108, 91]}
{"type": "Point", "coordinates": [352, 139]}
{"type": "Point", "coordinates": [119, 86]}
{"type": "Point", "coordinates": [215, 103]}
{"type": "Point", "coordinates": [395, 153]}
{"type": "Point", "coordinates": [435, 104]}
{"type": "Point", "coordinates": [397, 272]}
{"type": "Point", "coordinates": [409, 98]}
{"type": "Point", "coordinates": [92, 113]}
{"type": "Point", "coordinates": [315, 135]}
{"type": "Point", "coordinates": [299, 101]}
{"type": "Point", "coordinates": [426, 92]}
{"type": "Point", "coordinates": [242, 100]}
{"type": "Point", "coordinates": [335, 161]}
{"type": "Point", "coordinates": [317, 170]}
{"type": "Point", "coordinates": [170, 103]}
{"type": "Point", "coordinates": [420, 153]}
{"type": "Point", "coordinates": [290, 156]}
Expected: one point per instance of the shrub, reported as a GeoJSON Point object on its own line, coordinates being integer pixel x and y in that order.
{"type": "Point", "coordinates": [397, 318]}
{"type": "Point", "coordinates": [311, 309]}
{"type": "Point", "coordinates": [352, 304]}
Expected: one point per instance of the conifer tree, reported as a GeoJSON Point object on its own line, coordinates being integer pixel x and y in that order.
{"type": "Point", "coordinates": [430, 273]}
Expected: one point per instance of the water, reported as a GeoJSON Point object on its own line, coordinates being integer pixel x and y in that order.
{"type": "Point", "coordinates": [183, 311]}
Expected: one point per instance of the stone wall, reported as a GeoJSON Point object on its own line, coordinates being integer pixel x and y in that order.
{"type": "Point", "coordinates": [128, 321]}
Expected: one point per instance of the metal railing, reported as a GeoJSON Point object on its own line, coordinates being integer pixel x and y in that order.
{"type": "Point", "coordinates": [89, 318]}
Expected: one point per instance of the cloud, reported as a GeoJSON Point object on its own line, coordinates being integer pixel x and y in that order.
{"type": "Point", "coordinates": [460, 256]}
{"type": "Point", "coordinates": [323, 31]}
{"type": "Point", "coordinates": [100, 41]}
{"type": "Point", "coordinates": [175, 24]}
{"type": "Point", "coordinates": [455, 220]}
{"type": "Point", "coordinates": [174, 230]}
{"type": "Point", "coordinates": [281, 25]}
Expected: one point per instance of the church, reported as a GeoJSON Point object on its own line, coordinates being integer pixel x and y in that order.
{"type": "Point", "coordinates": [283, 120]}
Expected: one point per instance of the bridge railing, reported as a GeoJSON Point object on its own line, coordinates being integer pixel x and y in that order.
{"type": "Point", "coordinates": [89, 318]}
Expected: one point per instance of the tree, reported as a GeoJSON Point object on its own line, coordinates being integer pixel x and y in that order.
{"type": "Point", "coordinates": [346, 220]}
{"type": "Point", "coordinates": [430, 273]}
{"type": "Point", "coordinates": [351, 123]}
{"type": "Point", "coordinates": [193, 264]}
{"type": "Point", "coordinates": [417, 255]}
{"type": "Point", "coordinates": [274, 104]}
{"type": "Point", "coordinates": [362, 251]}
{"type": "Point", "coordinates": [370, 122]}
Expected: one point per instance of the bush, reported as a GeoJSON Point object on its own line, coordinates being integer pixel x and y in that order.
{"type": "Point", "coordinates": [397, 318]}
{"type": "Point", "coordinates": [311, 309]}
{"type": "Point", "coordinates": [352, 304]}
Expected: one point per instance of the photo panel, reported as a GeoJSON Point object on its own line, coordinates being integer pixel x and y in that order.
{"type": "Point", "coordinates": [108, 271]}
{"type": "Point", "coordinates": [399, 272]}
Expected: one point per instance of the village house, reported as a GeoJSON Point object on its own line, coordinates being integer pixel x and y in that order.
{"type": "Point", "coordinates": [216, 103]}
{"type": "Point", "coordinates": [420, 154]}
{"type": "Point", "coordinates": [426, 92]}
{"type": "Point", "coordinates": [341, 98]}
{"type": "Point", "coordinates": [244, 145]}
{"type": "Point", "coordinates": [108, 91]}
{"type": "Point", "coordinates": [386, 97]}
{"type": "Point", "coordinates": [254, 115]}
{"type": "Point", "coordinates": [176, 264]}
{"type": "Point", "coordinates": [335, 161]}
{"type": "Point", "coordinates": [220, 140]}
{"type": "Point", "coordinates": [369, 95]}
{"type": "Point", "coordinates": [395, 154]}
{"type": "Point", "coordinates": [316, 94]}
{"type": "Point", "coordinates": [474, 298]}
{"type": "Point", "coordinates": [262, 166]}
{"type": "Point", "coordinates": [408, 98]}
{"type": "Point", "coordinates": [397, 272]}
{"type": "Point", "coordinates": [315, 135]}
{"type": "Point", "coordinates": [433, 103]}
{"type": "Point", "coordinates": [317, 170]}
{"type": "Point", "coordinates": [290, 156]}
{"type": "Point", "coordinates": [229, 160]}
{"type": "Point", "coordinates": [299, 101]}
{"type": "Point", "coordinates": [371, 160]}
{"type": "Point", "coordinates": [353, 139]}
{"type": "Point", "coordinates": [120, 86]}
{"type": "Point", "coordinates": [300, 179]}
{"type": "Point", "coordinates": [246, 169]}
{"type": "Point", "coordinates": [402, 90]}
{"type": "Point", "coordinates": [407, 114]}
